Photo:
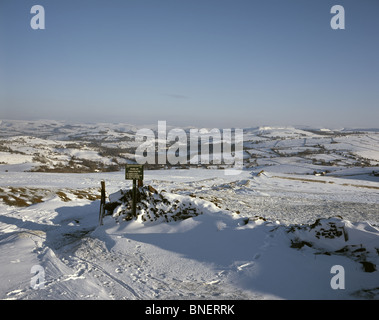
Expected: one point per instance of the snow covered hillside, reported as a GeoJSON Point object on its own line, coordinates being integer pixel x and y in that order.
{"type": "Point", "coordinates": [253, 237]}
{"type": "Point", "coordinates": [301, 220]}
{"type": "Point", "coordinates": [54, 146]}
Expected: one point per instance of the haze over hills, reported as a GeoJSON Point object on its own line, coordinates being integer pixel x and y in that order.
{"type": "Point", "coordinates": [56, 146]}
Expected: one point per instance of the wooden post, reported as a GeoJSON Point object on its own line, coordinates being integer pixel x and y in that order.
{"type": "Point", "coordinates": [140, 183]}
{"type": "Point", "coordinates": [102, 202]}
{"type": "Point", "coordinates": [134, 209]}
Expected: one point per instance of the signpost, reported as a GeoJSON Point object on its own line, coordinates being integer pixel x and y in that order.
{"type": "Point", "coordinates": [134, 172]}
{"type": "Point", "coordinates": [102, 202]}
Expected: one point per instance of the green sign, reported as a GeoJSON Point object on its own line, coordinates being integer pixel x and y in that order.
{"type": "Point", "coordinates": [134, 171]}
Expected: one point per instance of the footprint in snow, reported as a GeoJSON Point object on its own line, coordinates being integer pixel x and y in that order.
{"type": "Point", "coordinates": [242, 266]}
{"type": "Point", "coordinates": [15, 293]}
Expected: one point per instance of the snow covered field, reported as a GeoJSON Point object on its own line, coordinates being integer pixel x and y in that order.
{"type": "Point", "coordinates": [227, 252]}
{"type": "Point", "coordinates": [276, 234]}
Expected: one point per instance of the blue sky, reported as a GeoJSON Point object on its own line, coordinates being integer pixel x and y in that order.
{"type": "Point", "coordinates": [215, 63]}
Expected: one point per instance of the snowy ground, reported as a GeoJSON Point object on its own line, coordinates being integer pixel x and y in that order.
{"type": "Point", "coordinates": [258, 237]}
{"type": "Point", "coordinates": [271, 234]}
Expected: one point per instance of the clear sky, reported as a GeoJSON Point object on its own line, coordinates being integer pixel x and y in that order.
{"type": "Point", "coordinates": [215, 63]}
